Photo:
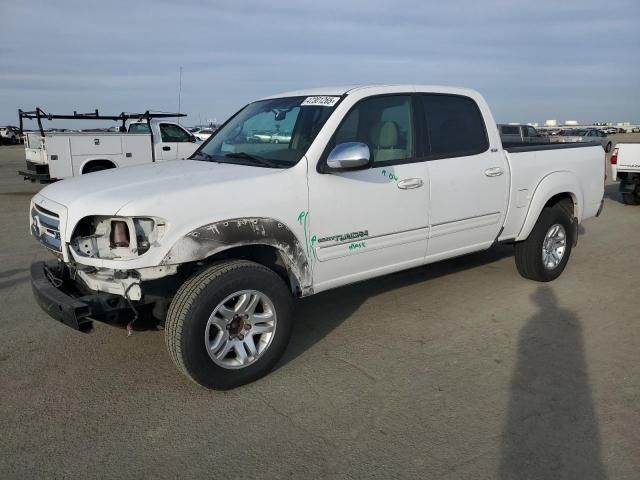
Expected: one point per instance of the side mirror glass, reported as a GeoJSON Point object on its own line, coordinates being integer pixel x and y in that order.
{"type": "Point", "coordinates": [349, 156]}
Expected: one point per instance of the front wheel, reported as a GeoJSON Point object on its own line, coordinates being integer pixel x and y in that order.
{"type": "Point", "coordinates": [544, 255]}
{"type": "Point", "coordinates": [230, 324]}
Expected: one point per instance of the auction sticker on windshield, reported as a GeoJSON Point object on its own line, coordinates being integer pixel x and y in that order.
{"type": "Point", "coordinates": [320, 101]}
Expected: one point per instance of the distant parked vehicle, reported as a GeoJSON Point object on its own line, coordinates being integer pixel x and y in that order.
{"type": "Point", "coordinates": [10, 135]}
{"type": "Point", "coordinates": [635, 130]}
{"type": "Point", "coordinates": [204, 133]}
{"type": "Point", "coordinates": [259, 136]}
{"type": "Point", "coordinates": [625, 167]}
{"type": "Point", "coordinates": [141, 138]}
{"type": "Point", "coordinates": [281, 137]}
{"type": "Point", "coordinates": [520, 134]}
{"type": "Point", "coordinates": [585, 135]}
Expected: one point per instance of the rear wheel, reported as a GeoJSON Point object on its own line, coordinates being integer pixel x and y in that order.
{"type": "Point", "coordinates": [544, 255]}
{"type": "Point", "coordinates": [632, 198]}
{"type": "Point", "coordinates": [230, 324]}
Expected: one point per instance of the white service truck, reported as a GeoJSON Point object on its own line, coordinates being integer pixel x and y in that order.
{"type": "Point", "coordinates": [625, 167]}
{"type": "Point", "coordinates": [372, 180]}
{"type": "Point", "coordinates": [143, 138]}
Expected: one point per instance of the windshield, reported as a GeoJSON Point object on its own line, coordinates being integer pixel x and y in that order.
{"type": "Point", "coordinates": [272, 133]}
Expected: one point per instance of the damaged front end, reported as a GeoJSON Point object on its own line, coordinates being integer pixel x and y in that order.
{"type": "Point", "coordinates": [209, 240]}
{"type": "Point", "coordinates": [68, 301]}
{"type": "Point", "coordinates": [99, 240]}
{"type": "Point", "coordinates": [89, 286]}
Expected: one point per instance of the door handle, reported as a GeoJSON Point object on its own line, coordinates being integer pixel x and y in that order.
{"type": "Point", "coordinates": [409, 183]}
{"type": "Point", "coordinates": [166, 149]}
{"type": "Point", "coordinates": [494, 172]}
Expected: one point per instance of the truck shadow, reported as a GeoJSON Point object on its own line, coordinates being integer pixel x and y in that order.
{"type": "Point", "coordinates": [551, 430]}
{"type": "Point", "coordinates": [320, 314]}
{"type": "Point", "coordinates": [612, 191]}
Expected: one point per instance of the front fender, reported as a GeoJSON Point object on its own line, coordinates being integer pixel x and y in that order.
{"type": "Point", "coordinates": [213, 238]}
{"type": "Point", "coordinates": [553, 184]}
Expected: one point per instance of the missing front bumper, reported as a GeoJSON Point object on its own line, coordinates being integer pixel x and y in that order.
{"type": "Point", "coordinates": [66, 301]}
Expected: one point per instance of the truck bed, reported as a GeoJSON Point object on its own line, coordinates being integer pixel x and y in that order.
{"type": "Point", "coordinates": [578, 164]}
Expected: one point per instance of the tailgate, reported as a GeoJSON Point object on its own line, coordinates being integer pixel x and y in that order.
{"type": "Point", "coordinates": [628, 156]}
{"type": "Point", "coordinates": [34, 147]}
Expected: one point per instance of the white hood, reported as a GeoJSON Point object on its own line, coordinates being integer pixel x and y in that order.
{"type": "Point", "coordinates": [110, 190]}
{"type": "Point", "coordinates": [185, 193]}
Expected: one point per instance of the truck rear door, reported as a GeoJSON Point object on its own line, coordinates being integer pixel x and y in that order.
{"type": "Point", "coordinates": [467, 174]}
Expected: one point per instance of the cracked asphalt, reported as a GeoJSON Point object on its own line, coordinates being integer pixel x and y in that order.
{"type": "Point", "coordinates": [452, 371]}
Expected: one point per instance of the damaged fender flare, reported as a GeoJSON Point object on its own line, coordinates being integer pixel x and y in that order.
{"type": "Point", "coordinates": [213, 238]}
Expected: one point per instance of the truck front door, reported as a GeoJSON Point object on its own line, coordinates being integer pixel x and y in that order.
{"type": "Point", "coordinates": [177, 143]}
{"type": "Point", "coordinates": [374, 221]}
{"type": "Point", "coordinates": [467, 173]}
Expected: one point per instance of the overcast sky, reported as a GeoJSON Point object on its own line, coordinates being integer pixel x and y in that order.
{"type": "Point", "coordinates": [533, 60]}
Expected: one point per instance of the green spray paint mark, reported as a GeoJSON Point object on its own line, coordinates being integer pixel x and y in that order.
{"type": "Point", "coordinates": [357, 246]}
{"type": "Point", "coordinates": [390, 175]}
{"type": "Point", "coordinates": [304, 221]}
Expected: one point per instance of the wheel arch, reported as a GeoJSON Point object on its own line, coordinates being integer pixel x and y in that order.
{"type": "Point", "coordinates": [553, 188]}
{"type": "Point", "coordinates": [266, 241]}
{"type": "Point", "coordinates": [97, 161]}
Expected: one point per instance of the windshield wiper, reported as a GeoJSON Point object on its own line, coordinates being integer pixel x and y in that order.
{"type": "Point", "coordinates": [254, 158]}
{"type": "Point", "coordinates": [205, 155]}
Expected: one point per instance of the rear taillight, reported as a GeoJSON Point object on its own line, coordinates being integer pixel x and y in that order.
{"type": "Point", "coordinates": [614, 157]}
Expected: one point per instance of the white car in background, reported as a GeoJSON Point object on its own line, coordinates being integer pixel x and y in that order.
{"type": "Point", "coordinates": [204, 133]}
{"type": "Point", "coordinates": [10, 135]}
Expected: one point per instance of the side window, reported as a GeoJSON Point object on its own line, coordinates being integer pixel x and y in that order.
{"type": "Point", "coordinates": [532, 132]}
{"type": "Point", "coordinates": [455, 126]}
{"type": "Point", "coordinates": [385, 124]}
{"type": "Point", "coordinates": [138, 128]}
{"type": "Point", "coordinates": [173, 133]}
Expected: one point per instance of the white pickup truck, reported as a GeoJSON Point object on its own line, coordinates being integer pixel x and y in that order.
{"type": "Point", "coordinates": [625, 167]}
{"type": "Point", "coordinates": [373, 180]}
{"type": "Point", "coordinates": [143, 138]}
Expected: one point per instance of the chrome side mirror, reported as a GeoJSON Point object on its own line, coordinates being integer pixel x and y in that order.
{"type": "Point", "coordinates": [349, 156]}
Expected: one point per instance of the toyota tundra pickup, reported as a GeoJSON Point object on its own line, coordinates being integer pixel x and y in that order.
{"type": "Point", "coordinates": [371, 180]}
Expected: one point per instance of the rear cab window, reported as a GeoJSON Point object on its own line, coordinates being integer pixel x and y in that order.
{"type": "Point", "coordinates": [139, 128]}
{"type": "Point", "coordinates": [455, 126]}
{"type": "Point", "coordinates": [509, 130]}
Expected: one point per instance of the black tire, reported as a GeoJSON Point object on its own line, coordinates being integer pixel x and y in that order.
{"type": "Point", "coordinates": [631, 198]}
{"type": "Point", "coordinates": [14, 140]}
{"type": "Point", "coordinates": [96, 167]}
{"type": "Point", "coordinates": [195, 301]}
{"type": "Point", "coordinates": [528, 253]}
{"type": "Point", "coordinates": [608, 148]}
